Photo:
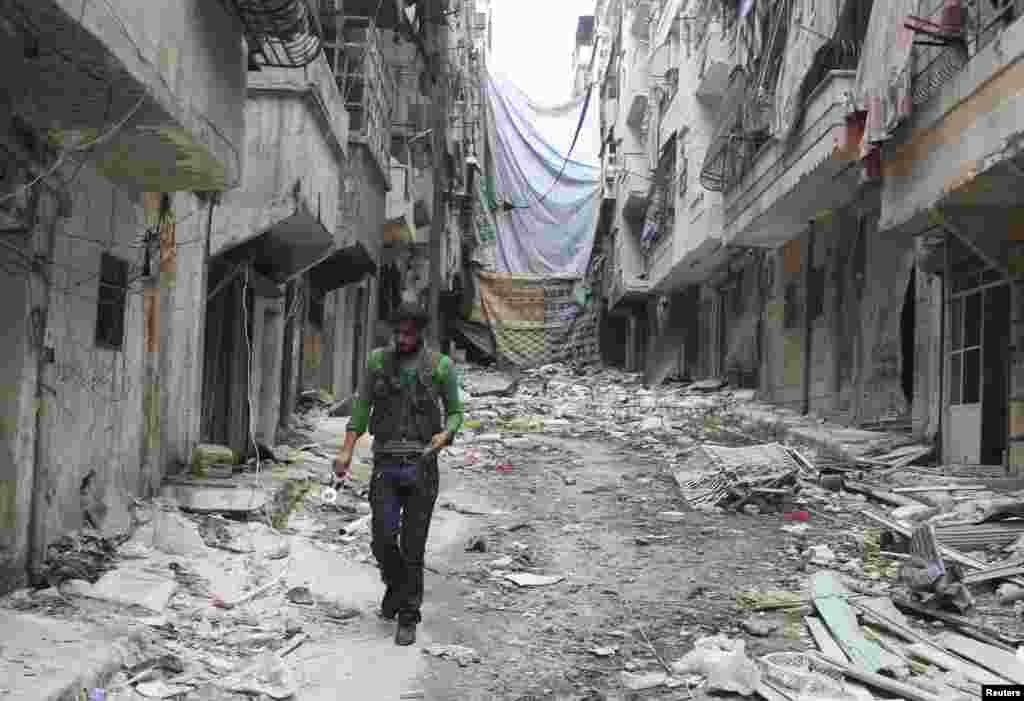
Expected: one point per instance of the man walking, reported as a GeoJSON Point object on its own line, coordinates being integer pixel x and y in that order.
{"type": "Point", "coordinates": [400, 400]}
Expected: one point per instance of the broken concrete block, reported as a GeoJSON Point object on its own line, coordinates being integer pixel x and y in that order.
{"type": "Point", "coordinates": [914, 512]}
{"type": "Point", "coordinates": [206, 455]}
{"type": "Point", "coordinates": [175, 534]}
{"type": "Point", "coordinates": [641, 682]}
{"type": "Point", "coordinates": [134, 588]}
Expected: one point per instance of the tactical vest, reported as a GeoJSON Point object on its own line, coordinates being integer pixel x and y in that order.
{"type": "Point", "coordinates": [410, 413]}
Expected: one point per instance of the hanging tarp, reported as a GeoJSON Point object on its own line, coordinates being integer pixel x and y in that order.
{"type": "Point", "coordinates": [532, 320]}
{"type": "Point", "coordinates": [548, 203]}
{"type": "Point", "coordinates": [812, 24]}
{"type": "Point", "coordinates": [883, 85]}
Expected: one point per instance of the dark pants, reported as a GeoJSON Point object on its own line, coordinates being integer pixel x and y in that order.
{"type": "Point", "coordinates": [403, 491]}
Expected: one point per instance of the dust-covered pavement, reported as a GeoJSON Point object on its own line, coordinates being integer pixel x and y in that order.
{"type": "Point", "coordinates": [565, 561]}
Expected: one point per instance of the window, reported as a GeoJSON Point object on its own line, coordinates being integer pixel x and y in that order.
{"type": "Point", "coordinates": [965, 348]}
{"type": "Point", "coordinates": [111, 302]}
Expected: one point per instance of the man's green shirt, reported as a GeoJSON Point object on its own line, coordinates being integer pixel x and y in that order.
{"type": "Point", "coordinates": [445, 376]}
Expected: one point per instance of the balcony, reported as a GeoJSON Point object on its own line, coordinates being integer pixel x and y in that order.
{"type": "Point", "coordinates": [636, 185]}
{"type": "Point", "coordinates": [947, 36]}
{"type": "Point", "coordinates": [962, 145]}
{"type": "Point", "coordinates": [169, 103]}
{"type": "Point", "coordinates": [280, 34]}
{"type": "Point", "coordinates": [791, 183]}
{"type": "Point", "coordinates": [366, 86]}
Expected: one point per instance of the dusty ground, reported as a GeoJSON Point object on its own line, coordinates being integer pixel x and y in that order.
{"type": "Point", "coordinates": [588, 497]}
{"type": "Point", "coordinates": [632, 581]}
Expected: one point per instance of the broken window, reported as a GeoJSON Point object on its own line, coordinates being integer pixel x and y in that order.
{"type": "Point", "coordinates": [111, 302]}
{"type": "Point", "coordinates": [965, 348]}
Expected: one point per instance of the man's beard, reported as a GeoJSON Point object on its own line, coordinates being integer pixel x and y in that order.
{"type": "Point", "coordinates": [407, 350]}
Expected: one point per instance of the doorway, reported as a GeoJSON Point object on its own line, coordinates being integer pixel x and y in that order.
{"type": "Point", "coordinates": [978, 318]}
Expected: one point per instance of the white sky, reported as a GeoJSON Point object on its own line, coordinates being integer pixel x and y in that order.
{"type": "Point", "coordinates": [533, 45]}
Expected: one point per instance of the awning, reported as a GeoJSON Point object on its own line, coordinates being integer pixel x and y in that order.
{"type": "Point", "coordinates": [344, 266]}
{"type": "Point", "coordinates": [286, 248]}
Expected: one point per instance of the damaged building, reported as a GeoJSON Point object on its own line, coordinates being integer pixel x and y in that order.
{"type": "Point", "coordinates": [199, 207]}
{"type": "Point", "coordinates": [819, 200]}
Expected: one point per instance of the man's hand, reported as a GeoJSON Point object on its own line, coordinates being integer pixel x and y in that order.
{"type": "Point", "coordinates": [438, 441]}
{"type": "Point", "coordinates": [342, 463]}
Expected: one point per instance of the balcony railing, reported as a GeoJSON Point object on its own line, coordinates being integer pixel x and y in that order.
{"type": "Point", "coordinates": [948, 35]}
{"type": "Point", "coordinates": [280, 33]}
{"type": "Point", "coordinates": [367, 86]}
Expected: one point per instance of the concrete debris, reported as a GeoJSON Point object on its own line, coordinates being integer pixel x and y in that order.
{"type": "Point", "coordinates": [134, 588]}
{"type": "Point", "coordinates": [608, 651]}
{"type": "Point", "coordinates": [642, 682]}
{"type": "Point", "coordinates": [761, 627]}
{"type": "Point", "coordinates": [161, 690]}
{"type": "Point", "coordinates": [820, 555]}
{"type": "Point", "coordinates": [267, 674]}
{"type": "Point", "coordinates": [724, 663]}
{"type": "Point", "coordinates": [173, 533]}
{"type": "Point", "coordinates": [527, 579]}
{"type": "Point", "coordinates": [461, 654]}
{"type": "Point", "coordinates": [85, 555]}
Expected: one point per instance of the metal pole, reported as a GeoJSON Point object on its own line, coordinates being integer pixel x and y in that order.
{"type": "Point", "coordinates": [439, 219]}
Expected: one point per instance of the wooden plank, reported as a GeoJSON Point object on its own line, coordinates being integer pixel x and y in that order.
{"type": "Point", "coordinates": [970, 672]}
{"type": "Point", "coordinates": [940, 488]}
{"type": "Point", "coordinates": [965, 625]}
{"type": "Point", "coordinates": [881, 495]}
{"type": "Point", "coordinates": [824, 640]}
{"type": "Point", "coordinates": [1001, 572]}
{"type": "Point", "coordinates": [830, 600]}
{"type": "Point", "coordinates": [890, 686]}
{"type": "Point", "coordinates": [946, 551]}
{"type": "Point", "coordinates": [987, 656]}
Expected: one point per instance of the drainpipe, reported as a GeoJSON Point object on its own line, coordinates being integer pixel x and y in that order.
{"type": "Point", "coordinates": [40, 318]}
{"type": "Point", "coordinates": [808, 321]}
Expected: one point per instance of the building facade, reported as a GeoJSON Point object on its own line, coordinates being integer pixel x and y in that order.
{"type": "Point", "coordinates": [197, 232]}
{"type": "Point", "coordinates": [832, 212]}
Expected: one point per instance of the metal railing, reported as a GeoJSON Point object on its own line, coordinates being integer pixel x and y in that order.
{"type": "Point", "coordinates": [281, 33]}
{"type": "Point", "coordinates": [367, 87]}
{"type": "Point", "coordinates": [942, 52]}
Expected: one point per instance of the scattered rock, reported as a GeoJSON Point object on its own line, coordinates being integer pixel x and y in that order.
{"type": "Point", "coordinates": [527, 579]}
{"type": "Point", "coordinates": [761, 627]}
{"type": "Point", "coordinates": [461, 654]}
{"type": "Point", "coordinates": [724, 663]}
{"type": "Point", "coordinates": [161, 690]}
{"type": "Point", "coordinates": [820, 555]}
{"type": "Point", "coordinates": [301, 596]}
{"type": "Point", "coordinates": [476, 544]}
{"type": "Point", "coordinates": [608, 651]}
{"type": "Point", "coordinates": [640, 682]}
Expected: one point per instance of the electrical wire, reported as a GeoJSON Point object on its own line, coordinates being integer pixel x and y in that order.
{"type": "Point", "coordinates": [77, 149]}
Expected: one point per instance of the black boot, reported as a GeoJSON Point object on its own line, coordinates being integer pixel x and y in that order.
{"type": "Point", "coordinates": [405, 633]}
{"type": "Point", "coordinates": [388, 606]}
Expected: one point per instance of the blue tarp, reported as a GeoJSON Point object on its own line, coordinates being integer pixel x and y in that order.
{"type": "Point", "coordinates": [549, 229]}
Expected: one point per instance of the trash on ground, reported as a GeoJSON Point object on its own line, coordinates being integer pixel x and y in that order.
{"type": "Point", "coordinates": [461, 654]}
{"type": "Point", "coordinates": [723, 662]}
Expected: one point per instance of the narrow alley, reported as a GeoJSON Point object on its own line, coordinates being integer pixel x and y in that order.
{"type": "Point", "coordinates": [511, 350]}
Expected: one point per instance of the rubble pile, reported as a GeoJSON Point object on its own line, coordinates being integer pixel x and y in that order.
{"type": "Point", "coordinates": [895, 580]}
